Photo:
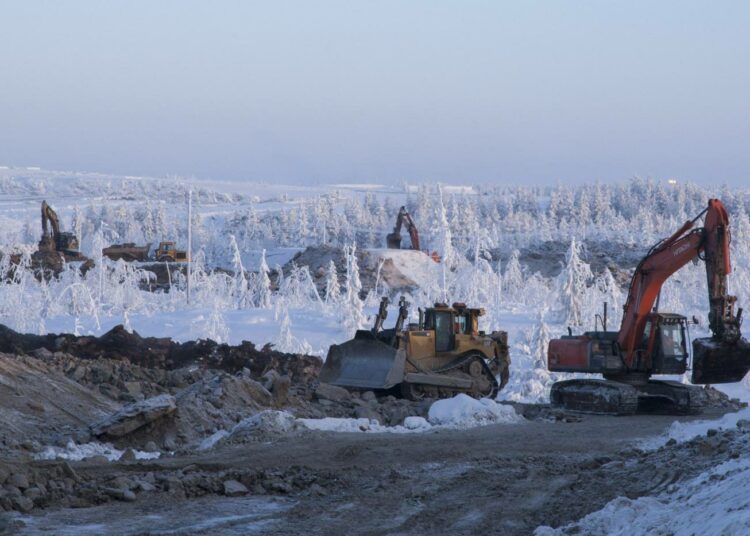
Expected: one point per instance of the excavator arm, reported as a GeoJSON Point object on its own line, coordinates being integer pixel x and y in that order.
{"type": "Point", "coordinates": [49, 215]}
{"type": "Point", "coordinates": [394, 238]}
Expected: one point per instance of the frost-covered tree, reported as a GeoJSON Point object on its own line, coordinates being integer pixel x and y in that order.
{"type": "Point", "coordinates": [262, 292]}
{"type": "Point", "coordinates": [540, 341]}
{"type": "Point", "coordinates": [353, 306]}
{"type": "Point", "coordinates": [513, 277]}
{"type": "Point", "coordinates": [573, 286]}
{"type": "Point", "coordinates": [285, 340]}
{"type": "Point", "coordinates": [241, 290]}
{"type": "Point", "coordinates": [444, 240]}
{"type": "Point", "coordinates": [333, 287]}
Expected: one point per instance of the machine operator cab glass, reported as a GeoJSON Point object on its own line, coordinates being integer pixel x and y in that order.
{"type": "Point", "coordinates": [448, 323]}
{"type": "Point", "coordinates": [669, 342]}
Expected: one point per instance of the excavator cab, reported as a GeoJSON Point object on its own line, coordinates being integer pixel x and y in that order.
{"type": "Point", "coordinates": [665, 340]}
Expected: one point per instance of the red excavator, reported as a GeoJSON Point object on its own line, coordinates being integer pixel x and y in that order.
{"type": "Point", "coordinates": [651, 342]}
{"type": "Point", "coordinates": [394, 239]}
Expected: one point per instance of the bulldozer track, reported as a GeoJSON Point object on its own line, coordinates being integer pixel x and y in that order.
{"type": "Point", "coordinates": [456, 365]}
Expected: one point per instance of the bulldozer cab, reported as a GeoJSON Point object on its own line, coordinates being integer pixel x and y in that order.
{"type": "Point", "coordinates": [665, 341]}
{"type": "Point", "coordinates": [451, 322]}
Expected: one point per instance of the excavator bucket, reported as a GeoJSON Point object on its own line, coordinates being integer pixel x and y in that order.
{"type": "Point", "coordinates": [364, 363]}
{"type": "Point", "coordinates": [716, 361]}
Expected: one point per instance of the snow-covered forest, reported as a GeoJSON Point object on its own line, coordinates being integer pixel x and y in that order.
{"type": "Point", "coordinates": [485, 237]}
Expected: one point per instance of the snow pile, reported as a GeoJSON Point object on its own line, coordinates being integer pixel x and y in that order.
{"type": "Point", "coordinates": [75, 452]}
{"type": "Point", "coordinates": [714, 502]}
{"type": "Point", "coordinates": [685, 431]}
{"type": "Point", "coordinates": [269, 421]}
{"type": "Point", "coordinates": [459, 412]}
{"type": "Point", "coordinates": [335, 424]}
{"type": "Point", "coordinates": [462, 411]}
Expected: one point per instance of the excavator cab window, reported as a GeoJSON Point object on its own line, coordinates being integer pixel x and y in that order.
{"type": "Point", "coordinates": [672, 341]}
{"type": "Point", "coordinates": [646, 334]}
{"type": "Point", "coordinates": [670, 352]}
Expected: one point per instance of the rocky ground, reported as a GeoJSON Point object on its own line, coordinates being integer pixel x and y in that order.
{"type": "Point", "coordinates": [224, 423]}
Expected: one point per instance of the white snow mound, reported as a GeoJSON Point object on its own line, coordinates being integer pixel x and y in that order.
{"type": "Point", "coordinates": [75, 452]}
{"type": "Point", "coordinates": [266, 421]}
{"type": "Point", "coordinates": [459, 412]}
{"type": "Point", "coordinates": [685, 431]}
{"type": "Point", "coordinates": [462, 411]}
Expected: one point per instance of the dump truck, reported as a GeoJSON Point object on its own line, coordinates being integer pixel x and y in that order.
{"type": "Point", "coordinates": [127, 252]}
{"type": "Point", "coordinates": [440, 356]}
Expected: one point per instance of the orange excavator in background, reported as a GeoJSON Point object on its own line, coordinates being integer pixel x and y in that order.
{"type": "Point", "coordinates": [394, 239]}
{"type": "Point", "coordinates": [651, 342]}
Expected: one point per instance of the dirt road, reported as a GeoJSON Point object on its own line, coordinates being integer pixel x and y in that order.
{"type": "Point", "coordinates": [500, 479]}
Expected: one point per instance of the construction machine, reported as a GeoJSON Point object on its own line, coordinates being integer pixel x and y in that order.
{"type": "Point", "coordinates": [127, 252]}
{"type": "Point", "coordinates": [166, 252]}
{"type": "Point", "coordinates": [651, 342]}
{"type": "Point", "coordinates": [55, 240]}
{"type": "Point", "coordinates": [393, 239]}
{"type": "Point", "coordinates": [441, 355]}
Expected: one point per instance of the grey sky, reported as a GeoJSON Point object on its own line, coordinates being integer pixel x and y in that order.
{"type": "Point", "coordinates": [463, 91]}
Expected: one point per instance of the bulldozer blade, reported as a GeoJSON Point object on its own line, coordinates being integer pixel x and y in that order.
{"type": "Point", "coordinates": [716, 361]}
{"type": "Point", "coordinates": [363, 363]}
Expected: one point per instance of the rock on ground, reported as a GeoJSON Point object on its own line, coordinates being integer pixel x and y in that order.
{"type": "Point", "coordinates": [134, 416]}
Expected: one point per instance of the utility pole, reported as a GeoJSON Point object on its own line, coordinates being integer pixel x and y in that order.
{"type": "Point", "coordinates": [190, 241]}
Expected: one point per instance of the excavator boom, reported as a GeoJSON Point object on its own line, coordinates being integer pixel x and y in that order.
{"type": "Point", "coordinates": [49, 215]}
{"type": "Point", "coordinates": [403, 219]}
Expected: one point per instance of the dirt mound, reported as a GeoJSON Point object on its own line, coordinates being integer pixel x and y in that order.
{"type": "Point", "coordinates": [40, 405]}
{"type": "Point", "coordinates": [164, 353]}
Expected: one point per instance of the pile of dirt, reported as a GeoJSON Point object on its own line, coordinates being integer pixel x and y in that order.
{"type": "Point", "coordinates": [163, 353]}
{"type": "Point", "coordinates": [39, 405]}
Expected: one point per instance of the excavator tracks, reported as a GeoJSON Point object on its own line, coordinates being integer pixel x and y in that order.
{"type": "Point", "coordinates": [595, 396]}
{"type": "Point", "coordinates": [607, 397]}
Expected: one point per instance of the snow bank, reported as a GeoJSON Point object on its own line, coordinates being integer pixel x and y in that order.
{"type": "Point", "coordinates": [714, 502]}
{"type": "Point", "coordinates": [462, 411]}
{"type": "Point", "coordinates": [685, 431]}
{"type": "Point", "coordinates": [459, 412]}
{"type": "Point", "coordinates": [335, 424]}
{"type": "Point", "coordinates": [270, 421]}
{"type": "Point", "coordinates": [75, 452]}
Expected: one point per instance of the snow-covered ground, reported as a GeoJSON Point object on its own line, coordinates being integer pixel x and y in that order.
{"type": "Point", "coordinates": [685, 431]}
{"type": "Point", "coordinates": [715, 502]}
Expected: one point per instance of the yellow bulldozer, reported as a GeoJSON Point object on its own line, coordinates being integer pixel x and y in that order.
{"type": "Point", "coordinates": [440, 356]}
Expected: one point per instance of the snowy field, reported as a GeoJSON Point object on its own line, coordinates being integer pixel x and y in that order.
{"type": "Point", "coordinates": [252, 230]}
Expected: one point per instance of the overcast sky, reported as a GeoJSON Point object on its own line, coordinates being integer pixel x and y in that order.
{"type": "Point", "coordinates": [318, 91]}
